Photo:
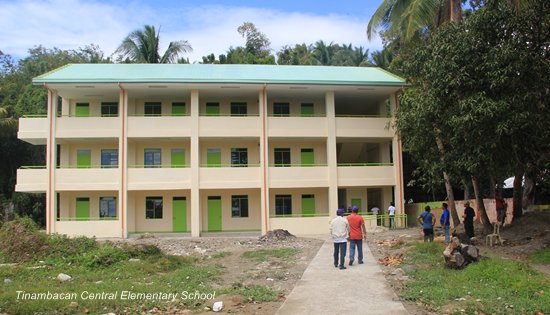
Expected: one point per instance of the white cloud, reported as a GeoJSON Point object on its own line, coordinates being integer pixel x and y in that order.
{"type": "Point", "coordinates": [71, 24]}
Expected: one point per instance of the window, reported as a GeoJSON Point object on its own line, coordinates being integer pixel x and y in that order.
{"type": "Point", "coordinates": [307, 109]}
{"type": "Point", "coordinates": [109, 158]}
{"type": "Point", "coordinates": [153, 207]}
{"type": "Point", "coordinates": [178, 109]}
{"type": "Point", "coordinates": [239, 157]}
{"type": "Point", "coordinates": [283, 204]}
{"type": "Point", "coordinates": [152, 158]}
{"type": "Point", "coordinates": [109, 109]}
{"type": "Point", "coordinates": [82, 110]}
{"type": "Point", "coordinates": [239, 206]}
{"type": "Point", "coordinates": [282, 157]}
{"type": "Point", "coordinates": [107, 207]}
{"type": "Point", "coordinates": [212, 109]}
{"type": "Point", "coordinates": [152, 109]}
{"type": "Point", "coordinates": [281, 109]}
{"type": "Point", "coordinates": [238, 109]}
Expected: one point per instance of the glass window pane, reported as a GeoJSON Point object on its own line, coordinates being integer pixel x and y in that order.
{"type": "Point", "coordinates": [281, 109]}
{"type": "Point", "coordinates": [152, 158]}
{"type": "Point", "coordinates": [152, 109]}
{"type": "Point", "coordinates": [239, 157]}
{"type": "Point", "coordinates": [109, 109]}
{"type": "Point", "coordinates": [153, 207]}
{"type": "Point", "coordinates": [238, 109]}
{"type": "Point", "coordinates": [109, 158]}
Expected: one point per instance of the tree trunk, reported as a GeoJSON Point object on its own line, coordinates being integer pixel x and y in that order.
{"type": "Point", "coordinates": [518, 212]}
{"type": "Point", "coordinates": [448, 183]}
{"type": "Point", "coordinates": [480, 205]}
{"type": "Point", "coordinates": [492, 185]}
{"type": "Point", "coordinates": [467, 191]}
{"type": "Point", "coordinates": [528, 192]}
{"type": "Point", "coordinates": [455, 10]}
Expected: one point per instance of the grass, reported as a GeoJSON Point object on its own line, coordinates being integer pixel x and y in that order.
{"type": "Point", "coordinates": [221, 255]}
{"type": "Point", "coordinates": [491, 286]}
{"type": "Point", "coordinates": [260, 255]}
{"type": "Point", "coordinates": [540, 257]}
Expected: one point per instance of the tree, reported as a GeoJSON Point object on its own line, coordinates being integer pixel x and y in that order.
{"type": "Point", "coordinates": [142, 46]}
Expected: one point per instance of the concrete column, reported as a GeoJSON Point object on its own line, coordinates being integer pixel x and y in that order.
{"type": "Point", "coordinates": [264, 163]}
{"type": "Point", "coordinates": [332, 162]}
{"type": "Point", "coordinates": [51, 160]}
{"type": "Point", "coordinates": [65, 107]}
{"type": "Point", "coordinates": [123, 162]}
{"type": "Point", "coordinates": [397, 162]}
{"type": "Point", "coordinates": [195, 166]}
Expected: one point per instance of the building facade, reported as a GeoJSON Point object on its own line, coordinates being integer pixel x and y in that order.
{"type": "Point", "coordinates": [135, 148]}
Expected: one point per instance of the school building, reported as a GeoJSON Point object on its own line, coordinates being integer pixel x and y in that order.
{"type": "Point", "coordinates": [197, 148]}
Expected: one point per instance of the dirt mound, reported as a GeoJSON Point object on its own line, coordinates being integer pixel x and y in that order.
{"type": "Point", "coordinates": [21, 241]}
{"type": "Point", "coordinates": [276, 235]}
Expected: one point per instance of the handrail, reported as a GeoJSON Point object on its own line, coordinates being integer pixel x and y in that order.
{"type": "Point", "coordinates": [87, 219]}
{"type": "Point", "coordinates": [363, 116]}
{"type": "Point", "coordinates": [228, 115]}
{"type": "Point", "coordinates": [229, 165]}
{"type": "Point", "coordinates": [160, 166]}
{"type": "Point", "coordinates": [35, 116]}
{"type": "Point", "coordinates": [32, 167]}
{"type": "Point", "coordinates": [159, 115]}
{"type": "Point", "coordinates": [295, 215]}
{"type": "Point", "coordinates": [297, 115]}
{"type": "Point", "coordinates": [298, 165]}
{"type": "Point", "coordinates": [87, 166]}
{"type": "Point", "coordinates": [365, 164]}
{"type": "Point", "coordinates": [88, 116]}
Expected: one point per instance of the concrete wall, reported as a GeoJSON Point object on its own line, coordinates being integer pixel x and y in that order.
{"type": "Point", "coordinates": [137, 222]}
{"type": "Point", "coordinates": [252, 222]}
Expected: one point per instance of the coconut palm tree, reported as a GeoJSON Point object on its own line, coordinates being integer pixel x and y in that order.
{"type": "Point", "coordinates": [142, 46]}
{"type": "Point", "coordinates": [8, 124]}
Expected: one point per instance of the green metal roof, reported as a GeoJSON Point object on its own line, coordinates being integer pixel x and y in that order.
{"type": "Point", "coordinates": [209, 73]}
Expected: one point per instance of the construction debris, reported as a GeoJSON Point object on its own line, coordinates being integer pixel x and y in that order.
{"type": "Point", "coordinates": [391, 260]}
{"type": "Point", "coordinates": [276, 235]}
{"type": "Point", "coordinates": [389, 243]}
{"type": "Point", "coordinates": [459, 255]}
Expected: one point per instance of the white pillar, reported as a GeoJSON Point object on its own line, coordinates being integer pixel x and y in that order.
{"type": "Point", "coordinates": [332, 162]}
{"type": "Point", "coordinates": [397, 162]}
{"type": "Point", "coordinates": [264, 163]}
{"type": "Point", "coordinates": [123, 162]}
{"type": "Point", "coordinates": [195, 166]}
{"type": "Point", "coordinates": [51, 160]}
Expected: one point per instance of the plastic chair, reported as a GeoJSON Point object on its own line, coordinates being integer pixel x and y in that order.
{"type": "Point", "coordinates": [494, 238]}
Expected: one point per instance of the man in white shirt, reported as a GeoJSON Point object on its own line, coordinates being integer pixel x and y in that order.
{"type": "Point", "coordinates": [376, 211]}
{"type": "Point", "coordinates": [391, 212]}
{"type": "Point", "coordinates": [339, 230]}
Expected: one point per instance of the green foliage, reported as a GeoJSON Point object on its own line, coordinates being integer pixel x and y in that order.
{"type": "Point", "coordinates": [540, 257]}
{"type": "Point", "coordinates": [254, 293]}
{"type": "Point", "coordinates": [21, 241]}
{"type": "Point", "coordinates": [265, 254]}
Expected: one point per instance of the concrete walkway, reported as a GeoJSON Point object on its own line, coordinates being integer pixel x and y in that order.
{"type": "Point", "coordinates": [360, 289]}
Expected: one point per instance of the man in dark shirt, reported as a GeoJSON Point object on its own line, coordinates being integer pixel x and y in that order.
{"type": "Point", "coordinates": [427, 219]}
{"type": "Point", "coordinates": [469, 215]}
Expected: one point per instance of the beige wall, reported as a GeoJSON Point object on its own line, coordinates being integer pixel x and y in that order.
{"type": "Point", "coordinates": [95, 105]}
{"type": "Point", "coordinates": [295, 146]}
{"type": "Point", "coordinates": [321, 199]}
{"type": "Point", "coordinates": [225, 104]}
{"type": "Point", "coordinates": [136, 210]}
{"type": "Point", "coordinates": [67, 202]}
{"type": "Point", "coordinates": [252, 222]}
{"type": "Point", "coordinates": [68, 152]}
{"type": "Point", "coordinates": [136, 150]}
{"type": "Point", "coordinates": [225, 146]}
{"type": "Point", "coordinates": [137, 106]}
{"type": "Point", "coordinates": [295, 103]}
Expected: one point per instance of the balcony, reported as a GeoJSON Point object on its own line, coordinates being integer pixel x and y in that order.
{"type": "Point", "coordinates": [297, 126]}
{"type": "Point", "coordinates": [33, 129]}
{"type": "Point", "coordinates": [164, 178]}
{"type": "Point", "coordinates": [226, 177]}
{"type": "Point", "coordinates": [71, 179]}
{"type": "Point", "coordinates": [32, 179]}
{"type": "Point", "coordinates": [97, 228]}
{"type": "Point", "coordinates": [159, 126]}
{"type": "Point", "coordinates": [229, 126]}
{"type": "Point", "coordinates": [364, 127]}
{"type": "Point", "coordinates": [366, 174]}
{"type": "Point", "coordinates": [297, 176]}
{"type": "Point", "coordinates": [87, 127]}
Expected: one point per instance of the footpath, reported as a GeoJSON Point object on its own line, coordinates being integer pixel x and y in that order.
{"type": "Point", "coordinates": [359, 289]}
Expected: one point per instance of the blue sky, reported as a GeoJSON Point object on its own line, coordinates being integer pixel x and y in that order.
{"type": "Point", "coordinates": [210, 26]}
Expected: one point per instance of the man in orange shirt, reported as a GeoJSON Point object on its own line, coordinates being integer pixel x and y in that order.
{"type": "Point", "coordinates": [357, 234]}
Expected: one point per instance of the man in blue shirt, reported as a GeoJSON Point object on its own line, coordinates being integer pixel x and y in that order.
{"type": "Point", "coordinates": [446, 223]}
{"type": "Point", "coordinates": [427, 219]}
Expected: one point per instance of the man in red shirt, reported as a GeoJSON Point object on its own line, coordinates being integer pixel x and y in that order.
{"type": "Point", "coordinates": [357, 234]}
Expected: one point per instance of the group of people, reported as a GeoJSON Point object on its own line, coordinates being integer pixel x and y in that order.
{"type": "Point", "coordinates": [427, 220]}
{"type": "Point", "coordinates": [350, 228]}
{"type": "Point", "coordinates": [391, 212]}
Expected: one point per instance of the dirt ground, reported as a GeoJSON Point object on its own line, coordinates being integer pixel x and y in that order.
{"type": "Point", "coordinates": [224, 253]}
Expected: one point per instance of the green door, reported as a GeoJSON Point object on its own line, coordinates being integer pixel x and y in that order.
{"type": "Point", "coordinates": [214, 213]}
{"type": "Point", "coordinates": [83, 158]}
{"type": "Point", "coordinates": [356, 202]}
{"type": "Point", "coordinates": [308, 205]}
{"type": "Point", "coordinates": [82, 110]}
{"type": "Point", "coordinates": [212, 109]}
{"type": "Point", "coordinates": [308, 157]}
{"type": "Point", "coordinates": [179, 214]}
{"type": "Point", "coordinates": [214, 157]}
{"type": "Point", "coordinates": [82, 209]}
{"type": "Point", "coordinates": [178, 158]}
{"type": "Point", "coordinates": [178, 109]}
{"type": "Point", "coordinates": [307, 109]}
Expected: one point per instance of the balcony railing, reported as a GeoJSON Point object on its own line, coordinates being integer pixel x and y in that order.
{"type": "Point", "coordinates": [364, 126]}
{"type": "Point", "coordinates": [159, 177]}
{"type": "Point", "coordinates": [366, 174]}
{"type": "Point", "coordinates": [229, 126]}
{"type": "Point", "coordinates": [226, 176]}
{"type": "Point", "coordinates": [297, 175]}
{"type": "Point", "coordinates": [151, 126]}
{"type": "Point", "coordinates": [297, 126]}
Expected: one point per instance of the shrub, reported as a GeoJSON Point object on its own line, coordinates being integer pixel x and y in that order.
{"type": "Point", "coordinates": [22, 241]}
{"type": "Point", "coordinates": [103, 256]}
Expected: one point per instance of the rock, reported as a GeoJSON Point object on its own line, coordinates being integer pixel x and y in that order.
{"type": "Point", "coordinates": [99, 282]}
{"type": "Point", "coordinates": [398, 272]}
{"type": "Point", "coordinates": [270, 279]}
{"type": "Point", "coordinates": [7, 281]}
{"type": "Point", "coordinates": [217, 306]}
{"type": "Point", "coordinates": [111, 313]}
{"type": "Point", "coordinates": [134, 260]}
{"type": "Point", "coordinates": [73, 304]}
{"type": "Point", "coordinates": [63, 277]}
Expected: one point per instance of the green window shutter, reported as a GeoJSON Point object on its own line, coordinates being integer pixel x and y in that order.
{"type": "Point", "coordinates": [178, 109]}
{"type": "Point", "coordinates": [212, 109]}
{"type": "Point", "coordinates": [82, 110]}
{"type": "Point", "coordinates": [308, 157]}
{"type": "Point", "coordinates": [356, 202]}
{"type": "Point", "coordinates": [179, 214]}
{"type": "Point", "coordinates": [308, 205]}
{"type": "Point", "coordinates": [214, 213]}
{"type": "Point", "coordinates": [83, 159]}
{"type": "Point", "coordinates": [307, 109]}
{"type": "Point", "coordinates": [214, 158]}
{"type": "Point", "coordinates": [82, 209]}
{"type": "Point", "coordinates": [178, 158]}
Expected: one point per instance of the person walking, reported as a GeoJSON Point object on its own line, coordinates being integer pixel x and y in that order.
{"type": "Point", "coordinates": [357, 233]}
{"type": "Point", "coordinates": [391, 213]}
{"type": "Point", "coordinates": [375, 211]}
{"type": "Point", "coordinates": [339, 230]}
{"type": "Point", "coordinates": [446, 223]}
{"type": "Point", "coordinates": [469, 215]}
{"type": "Point", "coordinates": [427, 219]}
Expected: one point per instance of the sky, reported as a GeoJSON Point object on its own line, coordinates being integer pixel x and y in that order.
{"type": "Point", "coordinates": [209, 26]}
